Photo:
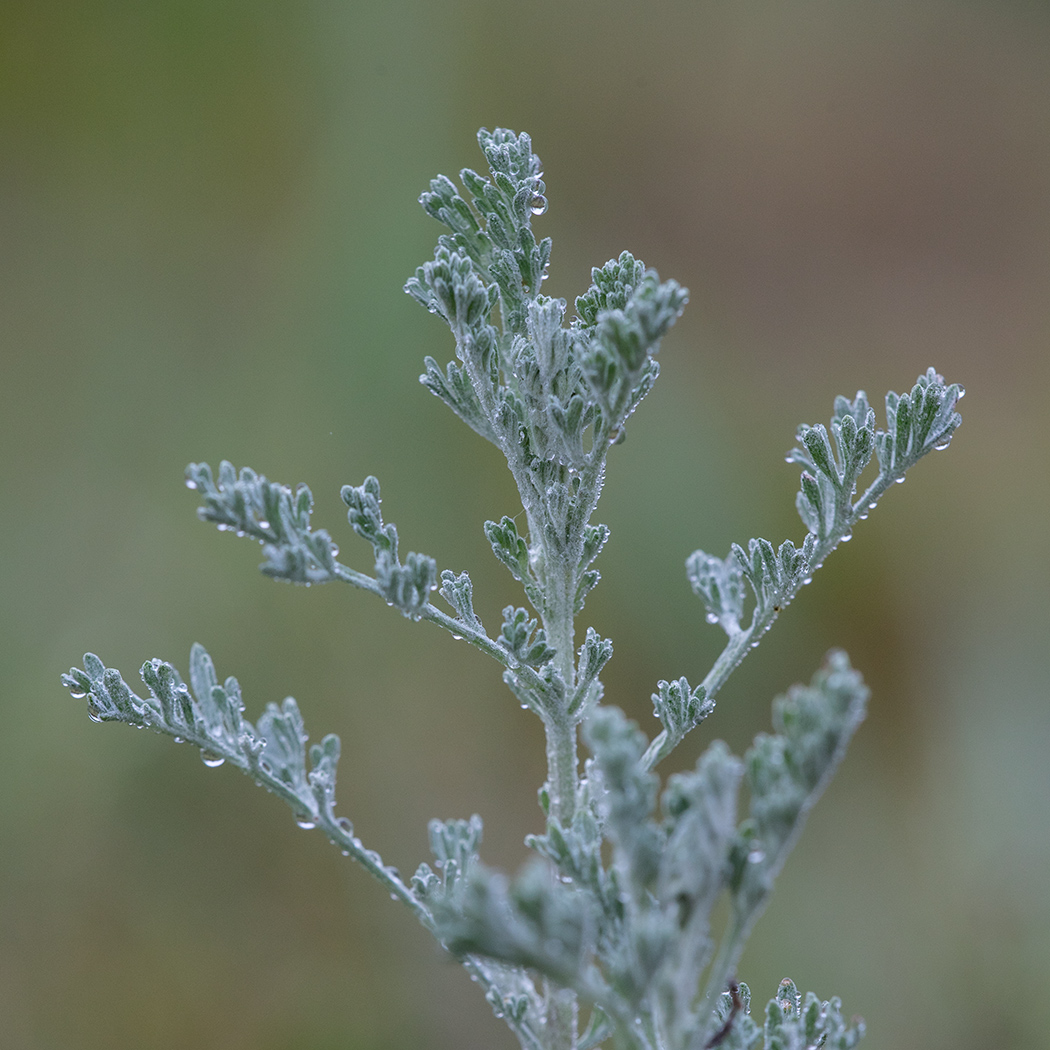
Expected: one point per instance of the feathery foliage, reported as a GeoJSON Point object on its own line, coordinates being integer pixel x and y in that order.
{"type": "Point", "coordinates": [613, 916]}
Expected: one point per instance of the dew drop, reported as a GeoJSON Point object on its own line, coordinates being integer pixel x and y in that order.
{"type": "Point", "coordinates": [756, 856]}
{"type": "Point", "coordinates": [77, 695]}
{"type": "Point", "coordinates": [305, 821]}
{"type": "Point", "coordinates": [847, 537]}
{"type": "Point", "coordinates": [178, 740]}
{"type": "Point", "coordinates": [458, 637]}
{"type": "Point", "coordinates": [524, 707]}
{"type": "Point", "coordinates": [263, 523]}
{"type": "Point", "coordinates": [871, 506]}
{"type": "Point", "coordinates": [900, 480]}
{"type": "Point", "coordinates": [222, 527]}
{"type": "Point", "coordinates": [344, 825]}
{"type": "Point", "coordinates": [212, 760]}
{"type": "Point", "coordinates": [864, 516]}
{"type": "Point", "coordinates": [94, 714]}
{"type": "Point", "coordinates": [393, 896]}
{"type": "Point", "coordinates": [538, 204]}
{"type": "Point", "coordinates": [941, 446]}
{"type": "Point", "coordinates": [807, 580]}
{"type": "Point", "coordinates": [190, 483]}
{"type": "Point", "coordinates": [711, 618]}
{"type": "Point", "coordinates": [335, 551]}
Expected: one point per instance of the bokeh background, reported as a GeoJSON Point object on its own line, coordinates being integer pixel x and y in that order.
{"type": "Point", "coordinates": [208, 209]}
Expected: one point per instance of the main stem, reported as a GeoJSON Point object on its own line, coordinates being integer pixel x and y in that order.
{"type": "Point", "coordinates": [560, 568]}
{"type": "Point", "coordinates": [561, 1010]}
{"type": "Point", "coordinates": [562, 761]}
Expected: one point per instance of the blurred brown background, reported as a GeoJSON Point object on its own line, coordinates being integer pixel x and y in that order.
{"type": "Point", "coordinates": [208, 211]}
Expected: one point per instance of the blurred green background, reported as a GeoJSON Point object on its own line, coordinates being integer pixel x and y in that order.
{"type": "Point", "coordinates": [207, 211]}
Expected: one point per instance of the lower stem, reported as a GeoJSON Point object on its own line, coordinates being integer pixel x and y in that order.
{"type": "Point", "coordinates": [562, 772]}
{"type": "Point", "coordinates": [560, 726]}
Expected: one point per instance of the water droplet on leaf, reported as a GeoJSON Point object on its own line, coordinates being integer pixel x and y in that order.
{"type": "Point", "coordinates": [305, 821]}
{"type": "Point", "coordinates": [190, 483]}
{"type": "Point", "coordinates": [538, 204]}
{"type": "Point", "coordinates": [711, 617]}
{"type": "Point", "coordinates": [212, 760]}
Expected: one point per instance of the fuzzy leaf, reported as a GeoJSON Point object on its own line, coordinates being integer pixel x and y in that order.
{"type": "Point", "coordinates": [680, 707]}
{"type": "Point", "coordinates": [594, 654]}
{"type": "Point", "coordinates": [249, 505]}
{"type": "Point", "coordinates": [365, 517]}
{"type": "Point", "coordinates": [509, 547]}
{"type": "Point", "coordinates": [459, 593]}
{"type": "Point", "coordinates": [407, 586]}
{"type": "Point", "coordinates": [720, 584]}
{"type": "Point", "coordinates": [522, 640]}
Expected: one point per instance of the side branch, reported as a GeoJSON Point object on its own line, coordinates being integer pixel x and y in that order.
{"type": "Point", "coordinates": [272, 752]}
